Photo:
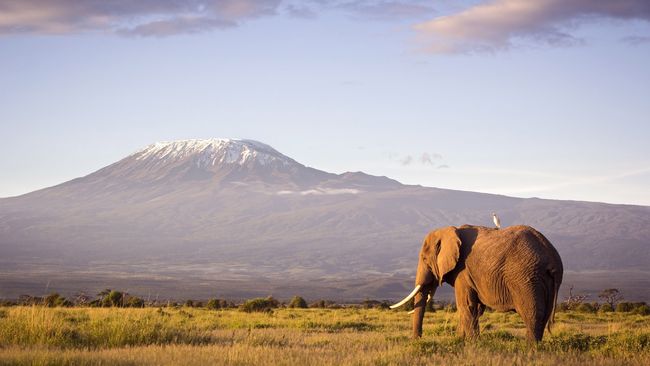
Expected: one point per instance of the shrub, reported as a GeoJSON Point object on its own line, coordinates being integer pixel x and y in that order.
{"type": "Point", "coordinates": [134, 302]}
{"type": "Point", "coordinates": [30, 300]}
{"type": "Point", "coordinates": [260, 304]}
{"type": "Point", "coordinates": [340, 325]}
{"type": "Point", "coordinates": [323, 304]}
{"type": "Point", "coordinates": [298, 302]}
{"type": "Point", "coordinates": [624, 307]}
{"type": "Point", "coordinates": [605, 308]}
{"type": "Point", "coordinates": [114, 298]}
{"type": "Point", "coordinates": [215, 304]}
{"type": "Point", "coordinates": [567, 342]}
{"type": "Point", "coordinates": [642, 310]}
{"type": "Point", "coordinates": [109, 298]}
{"type": "Point", "coordinates": [54, 300]}
{"type": "Point", "coordinates": [585, 308]}
{"type": "Point", "coordinates": [374, 304]}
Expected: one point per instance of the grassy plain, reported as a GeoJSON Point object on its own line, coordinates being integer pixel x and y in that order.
{"type": "Point", "coordinates": [194, 336]}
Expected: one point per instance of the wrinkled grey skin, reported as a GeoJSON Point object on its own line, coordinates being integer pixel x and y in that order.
{"type": "Point", "coordinates": [514, 268]}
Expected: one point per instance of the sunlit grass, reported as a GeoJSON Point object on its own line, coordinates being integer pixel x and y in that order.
{"type": "Point", "coordinates": [159, 336]}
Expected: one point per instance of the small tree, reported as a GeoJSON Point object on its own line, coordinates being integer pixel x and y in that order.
{"type": "Point", "coordinates": [81, 299]}
{"type": "Point", "coordinates": [215, 304]}
{"type": "Point", "coordinates": [611, 296]}
{"type": "Point", "coordinates": [55, 300]}
{"type": "Point", "coordinates": [573, 301]}
{"type": "Point", "coordinates": [585, 308]}
{"type": "Point", "coordinates": [318, 304]}
{"type": "Point", "coordinates": [605, 308]}
{"type": "Point", "coordinates": [103, 293]}
{"type": "Point", "coordinates": [298, 302]}
{"type": "Point", "coordinates": [134, 302]}
{"type": "Point", "coordinates": [114, 298]}
{"type": "Point", "coordinates": [324, 304]}
{"type": "Point", "coordinates": [642, 310]}
{"type": "Point", "coordinates": [260, 304]}
{"type": "Point", "coordinates": [29, 300]}
{"type": "Point", "coordinates": [624, 307]}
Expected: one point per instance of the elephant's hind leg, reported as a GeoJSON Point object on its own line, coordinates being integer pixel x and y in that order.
{"type": "Point", "coordinates": [535, 327]}
{"type": "Point", "coordinates": [534, 314]}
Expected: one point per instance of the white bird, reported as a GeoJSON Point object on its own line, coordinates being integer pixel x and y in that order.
{"type": "Point", "coordinates": [496, 220]}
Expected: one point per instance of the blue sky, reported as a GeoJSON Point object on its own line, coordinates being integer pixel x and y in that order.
{"type": "Point", "coordinates": [445, 94]}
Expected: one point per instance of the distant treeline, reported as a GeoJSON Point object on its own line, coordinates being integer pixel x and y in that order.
{"type": "Point", "coordinates": [611, 301]}
{"type": "Point", "coordinates": [115, 298]}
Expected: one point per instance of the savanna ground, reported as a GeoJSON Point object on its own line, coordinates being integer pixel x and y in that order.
{"type": "Point", "coordinates": [197, 336]}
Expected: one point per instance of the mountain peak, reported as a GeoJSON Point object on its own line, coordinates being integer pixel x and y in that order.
{"type": "Point", "coordinates": [222, 162]}
{"type": "Point", "coordinates": [205, 153]}
{"type": "Point", "coordinates": [215, 161]}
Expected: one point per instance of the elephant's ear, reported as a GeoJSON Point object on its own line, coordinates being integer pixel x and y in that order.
{"type": "Point", "coordinates": [449, 251]}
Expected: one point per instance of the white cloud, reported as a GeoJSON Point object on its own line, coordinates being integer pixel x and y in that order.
{"type": "Point", "coordinates": [636, 40]}
{"type": "Point", "coordinates": [407, 160]}
{"type": "Point", "coordinates": [428, 159]}
{"type": "Point", "coordinates": [321, 191]}
{"type": "Point", "coordinates": [500, 24]}
{"type": "Point", "coordinates": [141, 17]}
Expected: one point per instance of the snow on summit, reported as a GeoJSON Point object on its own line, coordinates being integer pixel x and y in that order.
{"type": "Point", "coordinates": [212, 152]}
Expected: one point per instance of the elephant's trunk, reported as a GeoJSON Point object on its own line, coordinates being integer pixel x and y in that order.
{"type": "Point", "coordinates": [420, 303]}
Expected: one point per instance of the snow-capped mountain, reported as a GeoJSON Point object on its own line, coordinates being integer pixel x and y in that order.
{"type": "Point", "coordinates": [211, 161]}
{"type": "Point", "coordinates": [222, 163]}
{"type": "Point", "coordinates": [238, 218]}
{"type": "Point", "coordinates": [213, 152]}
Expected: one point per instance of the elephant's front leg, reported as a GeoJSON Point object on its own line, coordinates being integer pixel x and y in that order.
{"type": "Point", "coordinates": [469, 309]}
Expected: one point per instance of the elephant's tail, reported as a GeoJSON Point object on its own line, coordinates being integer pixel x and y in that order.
{"type": "Point", "coordinates": [555, 289]}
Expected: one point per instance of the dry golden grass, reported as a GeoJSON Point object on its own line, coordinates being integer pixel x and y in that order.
{"type": "Point", "coordinates": [188, 336]}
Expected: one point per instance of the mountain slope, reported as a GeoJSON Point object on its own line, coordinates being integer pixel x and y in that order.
{"type": "Point", "coordinates": [225, 214]}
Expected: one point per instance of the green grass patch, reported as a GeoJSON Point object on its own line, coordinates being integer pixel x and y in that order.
{"type": "Point", "coordinates": [199, 336]}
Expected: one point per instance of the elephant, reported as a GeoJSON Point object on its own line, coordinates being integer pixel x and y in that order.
{"type": "Point", "coordinates": [510, 269]}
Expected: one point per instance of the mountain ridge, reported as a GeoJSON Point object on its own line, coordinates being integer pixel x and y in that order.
{"type": "Point", "coordinates": [283, 222]}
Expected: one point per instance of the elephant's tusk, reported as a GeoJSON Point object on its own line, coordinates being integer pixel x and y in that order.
{"type": "Point", "coordinates": [406, 299]}
{"type": "Point", "coordinates": [428, 298]}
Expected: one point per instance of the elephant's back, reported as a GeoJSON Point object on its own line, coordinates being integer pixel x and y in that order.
{"type": "Point", "coordinates": [519, 245]}
{"type": "Point", "coordinates": [533, 249]}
